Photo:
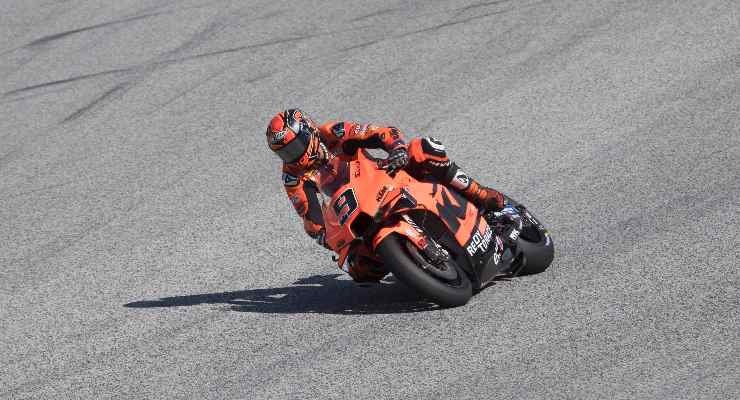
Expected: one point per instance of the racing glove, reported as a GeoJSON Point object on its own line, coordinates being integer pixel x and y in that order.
{"type": "Point", "coordinates": [397, 159]}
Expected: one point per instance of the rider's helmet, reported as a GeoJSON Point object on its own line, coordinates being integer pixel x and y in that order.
{"type": "Point", "coordinates": [294, 137]}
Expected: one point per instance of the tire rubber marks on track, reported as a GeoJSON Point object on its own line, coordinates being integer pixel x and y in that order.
{"type": "Point", "coordinates": [100, 99]}
{"type": "Point", "coordinates": [375, 14]}
{"type": "Point", "coordinates": [57, 36]}
{"type": "Point", "coordinates": [450, 22]}
{"type": "Point", "coordinates": [63, 81]}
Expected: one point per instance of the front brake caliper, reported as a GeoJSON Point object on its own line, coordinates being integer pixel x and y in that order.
{"type": "Point", "coordinates": [431, 251]}
{"type": "Point", "coordinates": [434, 253]}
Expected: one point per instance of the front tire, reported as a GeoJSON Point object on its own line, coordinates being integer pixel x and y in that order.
{"type": "Point", "coordinates": [537, 245]}
{"type": "Point", "coordinates": [447, 293]}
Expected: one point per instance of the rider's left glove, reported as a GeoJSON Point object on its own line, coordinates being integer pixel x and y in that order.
{"type": "Point", "coordinates": [397, 159]}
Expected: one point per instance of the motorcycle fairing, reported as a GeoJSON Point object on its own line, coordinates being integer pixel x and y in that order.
{"type": "Point", "coordinates": [403, 228]}
{"type": "Point", "coordinates": [359, 192]}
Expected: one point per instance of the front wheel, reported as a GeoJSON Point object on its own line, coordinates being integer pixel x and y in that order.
{"type": "Point", "coordinates": [536, 244]}
{"type": "Point", "coordinates": [447, 285]}
{"type": "Point", "coordinates": [534, 241]}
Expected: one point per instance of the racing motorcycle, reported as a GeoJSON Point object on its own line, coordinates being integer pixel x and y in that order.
{"type": "Point", "coordinates": [430, 237]}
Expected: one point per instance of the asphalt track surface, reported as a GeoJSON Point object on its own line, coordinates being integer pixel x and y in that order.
{"type": "Point", "coordinates": [148, 250]}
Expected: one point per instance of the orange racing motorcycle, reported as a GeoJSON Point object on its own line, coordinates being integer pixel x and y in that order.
{"type": "Point", "coordinates": [430, 238]}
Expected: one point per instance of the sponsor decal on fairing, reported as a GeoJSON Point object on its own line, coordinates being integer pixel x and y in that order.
{"type": "Point", "coordinates": [514, 235]}
{"type": "Point", "coordinates": [498, 251]}
{"type": "Point", "coordinates": [480, 242]}
{"type": "Point", "coordinates": [360, 130]}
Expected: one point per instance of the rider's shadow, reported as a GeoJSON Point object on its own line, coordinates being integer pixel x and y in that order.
{"type": "Point", "coordinates": [313, 294]}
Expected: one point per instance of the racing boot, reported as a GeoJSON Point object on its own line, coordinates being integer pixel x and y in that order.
{"type": "Point", "coordinates": [483, 197]}
{"type": "Point", "coordinates": [428, 155]}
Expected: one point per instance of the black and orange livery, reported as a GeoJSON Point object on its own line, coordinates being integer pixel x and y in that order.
{"type": "Point", "coordinates": [305, 146]}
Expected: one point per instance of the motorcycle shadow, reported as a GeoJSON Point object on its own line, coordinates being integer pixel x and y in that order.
{"type": "Point", "coordinates": [314, 294]}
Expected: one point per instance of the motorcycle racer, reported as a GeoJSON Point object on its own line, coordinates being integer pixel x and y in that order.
{"type": "Point", "coordinates": [305, 146]}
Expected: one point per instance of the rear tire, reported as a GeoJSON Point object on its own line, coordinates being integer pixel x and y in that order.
{"type": "Point", "coordinates": [445, 293]}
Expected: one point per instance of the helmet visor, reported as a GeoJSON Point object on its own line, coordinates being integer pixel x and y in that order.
{"type": "Point", "coordinates": [293, 151]}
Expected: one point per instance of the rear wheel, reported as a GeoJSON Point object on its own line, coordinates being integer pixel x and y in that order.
{"type": "Point", "coordinates": [447, 284]}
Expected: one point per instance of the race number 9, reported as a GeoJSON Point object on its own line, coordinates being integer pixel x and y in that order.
{"type": "Point", "coordinates": [345, 205]}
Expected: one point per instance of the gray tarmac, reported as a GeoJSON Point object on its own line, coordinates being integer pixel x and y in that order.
{"type": "Point", "coordinates": [147, 249]}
